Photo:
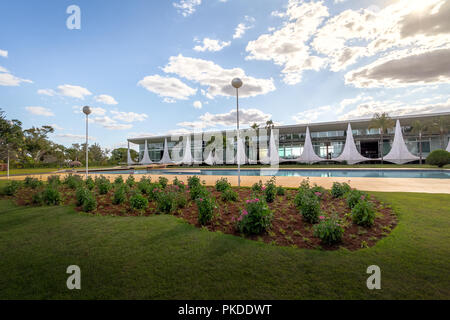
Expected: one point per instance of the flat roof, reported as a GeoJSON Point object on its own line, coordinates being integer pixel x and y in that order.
{"type": "Point", "coordinates": [314, 127]}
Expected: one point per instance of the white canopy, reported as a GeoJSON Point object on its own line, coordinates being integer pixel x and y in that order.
{"type": "Point", "coordinates": [399, 153]}
{"type": "Point", "coordinates": [129, 160]}
{"type": "Point", "coordinates": [187, 156]}
{"type": "Point", "coordinates": [350, 153]}
{"type": "Point", "coordinates": [166, 156]}
{"type": "Point", "coordinates": [146, 158]}
{"type": "Point", "coordinates": [448, 147]}
{"type": "Point", "coordinates": [241, 158]}
{"type": "Point", "coordinates": [210, 159]}
{"type": "Point", "coordinates": [274, 158]}
{"type": "Point", "coordinates": [308, 154]}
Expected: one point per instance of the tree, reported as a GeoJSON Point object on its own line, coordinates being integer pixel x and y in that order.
{"type": "Point", "coordinates": [419, 127]}
{"type": "Point", "coordinates": [96, 154]}
{"type": "Point", "coordinates": [442, 124]}
{"type": "Point", "coordinates": [383, 122]}
{"type": "Point", "coordinates": [120, 155]}
{"type": "Point", "coordinates": [11, 137]}
{"type": "Point", "coordinates": [37, 143]}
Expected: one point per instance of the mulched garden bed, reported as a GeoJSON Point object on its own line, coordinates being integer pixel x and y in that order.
{"type": "Point", "coordinates": [288, 227]}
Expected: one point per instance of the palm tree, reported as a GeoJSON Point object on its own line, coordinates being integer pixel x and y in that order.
{"type": "Point", "coordinates": [420, 127]}
{"type": "Point", "coordinates": [383, 122]}
{"type": "Point", "coordinates": [255, 127]}
{"type": "Point", "coordinates": [442, 124]}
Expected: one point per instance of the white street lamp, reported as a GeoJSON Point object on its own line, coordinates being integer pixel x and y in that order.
{"type": "Point", "coordinates": [237, 83]}
{"type": "Point", "coordinates": [87, 111]}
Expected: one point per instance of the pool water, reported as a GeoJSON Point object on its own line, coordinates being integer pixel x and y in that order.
{"type": "Point", "coordinates": [365, 173]}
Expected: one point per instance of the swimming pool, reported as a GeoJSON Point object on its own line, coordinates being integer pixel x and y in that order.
{"type": "Point", "coordinates": [361, 173]}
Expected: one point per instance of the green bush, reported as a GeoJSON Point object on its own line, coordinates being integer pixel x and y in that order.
{"type": "Point", "coordinates": [90, 184]}
{"type": "Point", "coordinates": [181, 200]}
{"type": "Point", "coordinates": [32, 183]}
{"type": "Point", "coordinates": [329, 230]}
{"type": "Point", "coordinates": [73, 182]}
{"type": "Point", "coordinates": [163, 181]}
{"type": "Point", "coordinates": [130, 181]}
{"type": "Point", "coordinates": [120, 195]}
{"type": "Point", "coordinates": [309, 206]}
{"type": "Point", "coordinates": [90, 203]}
{"type": "Point", "coordinates": [339, 189]}
{"type": "Point", "coordinates": [11, 188]}
{"type": "Point", "coordinates": [138, 201]}
{"type": "Point", "coordinates": [222, 185]}
{"type": "Point", "coordinates": [103, 185]}
{"type": "Point", "coordinates": [81, 195]}
{"type": "Point", "coordinates": [179, 184]}
{"type": "Point", "coordinates": [53, 180]}
{"type": "Point", "coordinates": [257, 187]}
{"type": "Point", "coordinates": [354, 196]}
{"type": "Point", "coordinates": [281, 191]}
{"type": "Point", "coordinates": [38, 198]}
{"type": "Point", "coordinates": [194, 182]}
{"type": "Point", "coordinates": [206, 206]}
{"type": "Point", "coordinates": [229, 195]}
{"type": "Point", "coordinates": [256, 218]}
{"type": "Point", "coordinates": [153, 191]}
{"type": "Point", "coordinates": [438, 158]}
{"type": "Point", "coordinates": [198, 191]}
{"type": "Point", "coordinates": [119, 180]}
{"type": "Point", "coordinates": [144, 186]}
{"type": "Point", "coordinates": [166, 202]}
{"type": "Point", "coordinates": [363, 213]}
{"type": "Point", "coordinates": [270, 190]}
{"type": "Point", "coordinates": [51, 196]}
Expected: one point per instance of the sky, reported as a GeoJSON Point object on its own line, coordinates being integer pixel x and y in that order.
{"type": "Point", "coordinates": [165, 66]}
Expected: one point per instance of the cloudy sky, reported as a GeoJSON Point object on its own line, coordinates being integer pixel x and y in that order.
{"type": "Point", "coordinates": [165, 66]}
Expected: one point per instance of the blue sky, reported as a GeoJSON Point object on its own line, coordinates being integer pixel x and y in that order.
{"type": "Point", "coordinates": [157, 67]}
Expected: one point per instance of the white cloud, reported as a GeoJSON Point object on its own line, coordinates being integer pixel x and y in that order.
{"type": "Point", "coordinates": [217, 79]}
{"type": "Point", "coordinates": [111, 124]}
{"type": "Point", "coordinates": [311, 115]}
{"type": "Point", "coordinates": [4, 53]}
{"type": "Point", "coordinates": [243, 27]}
{"type": "Point", "coordinates": [198, 105]}
{"type": "Point", "coordinates": [106, 99]}
{"type": "Point", "coordinates": [3, 69]}
{"type": "Point", "coordinates": [73, 91]}
{"type": "Point", "coordinates": [56, 127]}
{"type": "Point", "coordinates": [129, 116]}
{"type": "Point", "coordinates": [167, 87]}
{"type": "Point", "coordinates": [71, 136]}
{"type": "Point", "coordinates": [40, 111]}
{"type": "Point", "coordinates": [288, 46]}
{"type": "Point", "coordinates": [47, 92]}
{"type": "Point", "coordinates": [187, 7]}
{"type": "Point", "coordinates": [9, 80]}
{"type": "Point", "coordinates": [211, 45]}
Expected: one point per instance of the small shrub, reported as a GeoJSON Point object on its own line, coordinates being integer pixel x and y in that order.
{"type": "Point", "coordinates": [339, 189]}
{"type": "Point", "coordinates": [270, 190]}
{"type": "Point", "coordinates": [138, 201]}
{"type": "Point", "coordinates": [144, 186]}
{"type": "Point", "coordinates": [181, 200]}
{"type": "Point", "coordinates": [163, 181]}
{"type": "Point", "coordinates": [222, 185]}
{"type": "Point", "coordinates": [53, 180]}
{"type": "Point", "coordinates": [11, 188]}
{"type": "Point", "coordinates": [257, 187]}
{"type": "Point", "coordinates": [120, 195]}
{"type": "Point", "coordinates": [130, 181]}
{"type": "Point", "coordinates": [256, 218]}
{"type": "Point", "coordinates": [81, 195]}
{"type": "Point", "coordinates": [354, 196]}
{"type": "Point", "coordinates": [73, 181]}
{"type": "Point", "coordinates": [90, 203]}
{"type": "Point", "coordinates": [32, 183]}
{"type": "Point", "coordinates": [104, 185]}
{"type": "Point", "coordinates": [329, 230]}
{"type": "Point", "coordinates": [194, 182]}
{"type": "Point", "coordinates": [153, 191]}
{"type": "Point", "coordinates": [38, 199]}
{"type": "Point", "coordinates": [438, 158]}
{"type": "Point", "coordinates": [281, 191]}
{"type": "Point", "coordinates": [166, 202]}
{"type": "Point", "coordinates": [309, 206]}
{"type": "Point", "coordinates": [198, 191]}
{"type": "Point", "coordinates": [229, 195]}
{"type": "Point", "coordinates": [51, 196]}
{"type": "Point", "coordinates": [179, 184]}
{"type": "Point", "coordinates": [119, 180]}
{"type": "Point", "coordinates": [206, 208]}
{"type": "Point", "coordinates": [90, 184]}
{"type": "Point", "coordinates": [363, 213]}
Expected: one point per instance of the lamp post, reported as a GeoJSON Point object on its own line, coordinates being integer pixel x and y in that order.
{"type": "Point", "coordinates": [87, 111]}
{"type": "Point", "coordinates": [237, 83]}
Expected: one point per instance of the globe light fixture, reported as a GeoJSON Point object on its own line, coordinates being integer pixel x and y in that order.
{"type": "Point", "coordinates": [237, 83]}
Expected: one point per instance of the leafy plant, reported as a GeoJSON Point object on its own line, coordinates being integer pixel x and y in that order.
{"type": "Point", "coordinates": [145, 186]}
{"type": "Point", "coordinates": [222, 185]}
{"type": "Point", "coordinates": [206, 206]}
{"type": "Point", "coordinates": [270, 190]}
{"type": "Point", "coordinates": [281, 191]}
{"type": "Point", "coordinates": [73, 181]}
{"type": "Point", "coordinates": [194, 182]}
{"type": "Point", "coordinates": [37, 198]}
{"type": "Point", "coordinates": [438, 158]}
{"type": "Point", "coordinates": [138, 201]}
{"type": "Point", "coordinates": [120, 195]}
{"type": "Point", "coordinates": [257, 187]}
{"type": "Point", "coordinates": [51, 196]}
{"type": "Point", "coordinates": [81, 195]}
{"type": "Point", "coordinates": [329, 230]}
{"type": "Point", "coordinates": [354, 196]}
{"type": "Point", "coordinates": [130, 181]}
{"type": "Point", "coordinates": [256, 218]}
{"type": "Point", "coordinates": [163, 181]}
{"type": "Point", "coordinates": [11, 188]}
{"type": "Point", "coordinates": [340, 189]}
{"type": "Point", "coordinates": [103, 185]}
{"type": "Point", "coordinates": [53, 180]}
{"type": "Point", "coordinates": [119, 180]}
{"type": "Point", "coordinates": [90, 203]}
{"type": "Point", "coordinates": [166, 202]}
{"type": "Point", "coordinates": [90, 184]}
{"type": "Point", "coordinates": [363, 213]}
{"type": "Point", "coordinates": [198, 191]}
{"type": "Point", "coordinates": [32, 183]}
{"type": "Point", "coordinates": [308, 205]}
{"type": "Point", "coordinates": [179, 184]}
{"type": "Point", "coordinates": [229, 195]}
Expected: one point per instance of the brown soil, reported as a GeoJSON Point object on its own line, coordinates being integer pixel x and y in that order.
{"type": "Point", "coordinates": [288, 227]}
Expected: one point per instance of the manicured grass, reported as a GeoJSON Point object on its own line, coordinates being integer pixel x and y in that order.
{"type": "Point", "coordinates": [40, 170]}
{"type": "Point", "coordinates": [161, 257]}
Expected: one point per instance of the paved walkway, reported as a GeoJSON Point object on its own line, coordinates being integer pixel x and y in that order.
{"type": "Point", "coordinates": [366, 184]}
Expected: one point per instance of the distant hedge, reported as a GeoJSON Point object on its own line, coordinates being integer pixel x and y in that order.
{"type": "Point", "coordinates": [439, 158]}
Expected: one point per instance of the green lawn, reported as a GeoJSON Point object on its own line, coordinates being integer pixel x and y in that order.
{"type": "Point", "coordinates": [161, 257]}
{"type": "Point", "coordinates": [40, 170]}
